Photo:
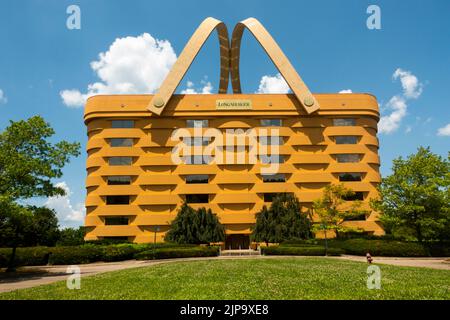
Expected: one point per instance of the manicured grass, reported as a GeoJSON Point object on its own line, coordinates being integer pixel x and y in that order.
{"type": "Point", "coordinates": [274, 278]}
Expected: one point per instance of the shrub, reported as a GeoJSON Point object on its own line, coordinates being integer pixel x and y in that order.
{"type": "Point", "coordinates": [32, 256]}
{"type": "Point", "coordinates": [381, 248]}
{"type": "Point", "coordinates": [76, 255]}
{"type": "Point", "coordinates": [300, 251]}
{"type": "Point", "coordinates": [170, 253]}
{"type": "Point", "coordinates": [300, 243]}
{"type": "Point", "coordinates": [119, 252]}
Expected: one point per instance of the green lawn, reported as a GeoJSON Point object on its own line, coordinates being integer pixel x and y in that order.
{"type": "Point", "coordinates": [278, 278]}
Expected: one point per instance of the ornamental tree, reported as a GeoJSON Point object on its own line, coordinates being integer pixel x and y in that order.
{"type": "Point", "coordinates": [195, 226]}
{"type": "Point", "coordinates": [29, 162]}
{"type": "Point", "coordinates": [284, 220]}
{"type": "Point", "coordinates": [414, 199]}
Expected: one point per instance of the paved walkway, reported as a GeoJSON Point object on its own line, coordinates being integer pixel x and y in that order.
{"type": "Point", "coordinates": [433, 263]}
{"type": "Point", "coordinates": [28, 277]}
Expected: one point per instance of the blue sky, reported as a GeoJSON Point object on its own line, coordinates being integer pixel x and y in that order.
{"type": "Point", "coordinates": [327, 41]}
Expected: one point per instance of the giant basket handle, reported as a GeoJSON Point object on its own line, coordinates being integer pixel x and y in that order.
{"type": "Point", "coordinates": [190, 51]}
{"type": "Point", "coordinates": [298, 87]}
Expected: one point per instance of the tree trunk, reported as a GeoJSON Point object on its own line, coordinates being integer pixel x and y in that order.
{"type": "Point", "coordinates": [326, 243]}
{"type": "Point", "coordinates": [419, 233]}
{"type": "Point", "coordinates": [12, 259]}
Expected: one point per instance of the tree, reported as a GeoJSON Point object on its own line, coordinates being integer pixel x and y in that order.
{"type": "Point", "coordinates": [195, 226]}
{"type": "Point", "coordinates": [414, 199]}
{"type": "Point", "coordinates": [44, 229]}
{"type": "Point", "coordinates": [209, 227]}
{"type": "Point", "coordinates": [283, 221]}
{"type": "Point", "coordinates": [28, 163]}
{"type": "Point", "coordinates": [331, 211]}
{"type": "Point", "coordinates": [71, 236]}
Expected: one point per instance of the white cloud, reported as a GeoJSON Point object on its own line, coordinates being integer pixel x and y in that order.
{"type": "Point", "coordinates": [73, 98]}
{"type": "Point", "coordinates": [276, 84]}
{"type": "Point", "coordinates": [346, 91]}
{"type": "Point", "coordinates": [444, 131]}
{"type": "Point", "coordinates": [67, 213]}
{"type": "Point", "coordinates": [391, 122]}
{"type": "Point", "coordinates": [398, 106]}
{"type": "Point", "coordinates": [132, 65]}
{"type": "Point", "coordinates": [412, 88]}
{"type": "Point", "coordinates": [206, 89]}
{"type": "Point", "coordinates": [3, 99]}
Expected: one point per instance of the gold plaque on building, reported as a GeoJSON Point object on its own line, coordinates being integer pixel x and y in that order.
{"type": "Point", "coordinates": [233, 104]}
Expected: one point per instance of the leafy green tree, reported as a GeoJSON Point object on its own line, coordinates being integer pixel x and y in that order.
{"type": "Point", "coordinates": [262, 229]}
{"type": "Point", "coordinates": [28, 163]}
{"type": "Point", "coordinates": [283, 221]}
{"type": "Point", "coordinates": [209, 227]}
{"type": "Point", "coordinates": [71, 237]}
{"type": "Point", "coordinates": [44, 229]}
{"type": "Point", "coordinates": [414, 199]}
{"type": "Point", "coordinates": [195, 226]}
{"type": "Point", "coordinates": [332, 212]}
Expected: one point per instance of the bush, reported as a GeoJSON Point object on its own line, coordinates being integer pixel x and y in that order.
{"type": "Point", "coordinates": [76, 255]}
{"type": "Point", "coordinates": [300, 243]}
{"type": "Point", "coordinates": [32, 256]}
{"type": "Point", "coordinates": [300, 251]}
{"type": "Point", "coordinates": [119, 252]}
{"type": "Point", "coordinates": [171, 253]}
{"type": "Point", "coordinates": [381, 248]}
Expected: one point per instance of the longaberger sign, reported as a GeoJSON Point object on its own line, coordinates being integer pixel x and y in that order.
{"type": "Point", "coordinates": [233, 104]}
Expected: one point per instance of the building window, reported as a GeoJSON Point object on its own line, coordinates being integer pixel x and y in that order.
{"type": "Point", "coordinates": [121, 142]}
{"type": "Point", "coordinates": [271, 123]}
{"type": "Point", "coordinates": [197, 123]}
{"type": "Point", "coordinates": [346, 139]}
{"type": "Point", "coordinates": [279, 177]}
{"type": "Point", "coordinates": [347, 176]}
{"type": "Point", "coordinates": [274, 158]}
{"type": "Point", "coordinates": [346, 158]}
{"type": "Point", "coordinates": [269, 197]}
{"type": "Point", "coordinates": [344, 122]}
{"type": "Point", "coordinates": [119, 180]}
{"type": "Point", "coordinates": [116, 238]}
{"type": "Point", "coordinates": [197, 178]}
{"type": "Point", "coordinates": [197, 198]}
{"type": "Point", "coordinates": [196, 141]}
{"type": "Point", "coordinates": [355, 196]}
{"type": "Point", "coordinates": [125, 124]}
{"type": "Point", "coordinates": [120, 161]}
{"type": "Point", "coordinates": [358, 217]}
{"type": "Point", "coordinates": [115, 200]}
{"type": "Point", "coordinates": [271, 141]}
{"type": "Point", "coordinates": [116, 221]}
{"type": "Point", "coordinates": [200, 159]}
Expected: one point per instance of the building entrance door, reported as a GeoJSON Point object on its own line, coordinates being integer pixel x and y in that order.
{"type": "Point", "coordinates": [237, 241]}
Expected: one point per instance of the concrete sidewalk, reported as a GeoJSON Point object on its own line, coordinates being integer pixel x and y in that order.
{"type": "Point", "coordinates": [28, 277]}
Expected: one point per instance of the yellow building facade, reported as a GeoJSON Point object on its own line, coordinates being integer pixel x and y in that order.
{"type": "Point", "coordinates": [143, 165]}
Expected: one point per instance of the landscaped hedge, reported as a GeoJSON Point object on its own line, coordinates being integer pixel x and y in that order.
{"type": "Point", "coordinates": [170, 253]}
{"type": "Point", "coordinates": [300, 251]}
{"type": "Point", "coordinates": [79, 254]}
{"type": "Point", "coordinates": [32, 256]}
{"type": "Point", "coordinates": [381, 248]}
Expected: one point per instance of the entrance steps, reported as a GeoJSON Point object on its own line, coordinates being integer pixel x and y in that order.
{"type": "Point", "coordinates": [240, 252]}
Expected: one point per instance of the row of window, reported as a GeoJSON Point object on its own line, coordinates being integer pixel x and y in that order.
{"type": "Point", "coordinates": [204, 141]}
{"type": "Point", "coordinates": [204, 198]}
{"type": "Point", "coordinates": [204, 178]}
{"type": "Point", "coordinates": [265, 159]}
{"type": "Point", "coordinates": [203, 123]}
{"type": "Point", "coordinates": [124, 221]}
